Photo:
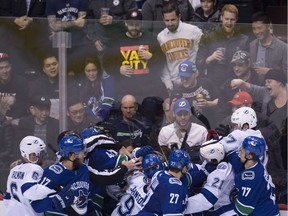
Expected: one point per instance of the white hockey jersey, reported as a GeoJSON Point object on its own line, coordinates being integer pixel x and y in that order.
{"type": "Point", "coordinates": [132, 201]}
{"type": "Point", "coordinates": [234, 140]}
{"type": "Point", "coordinates": [20, 190]}
{"type": "Point", "coordinates": [215, 193]}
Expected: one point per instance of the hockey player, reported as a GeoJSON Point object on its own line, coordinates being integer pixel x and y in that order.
{"type": "Point", "coordinates": [22, 184]}
{"type": "Point", "coordinates": [167, 195]}
{"type": "Point", "coordinates": [102, 155]}
{"type": "Point", "coordinates": [214, 195]}
{"type": "Point", "coordinates": [69, 171]}
{"type": "Point", "coordinates": [244, 120]}
{"type": "Point", "coordinates": [256, 192]}
{"type": "Point", "coordinates": [132, 201]}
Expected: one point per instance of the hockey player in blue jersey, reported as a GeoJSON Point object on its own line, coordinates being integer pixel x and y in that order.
{"type": "Point", "coordinates": [214, 195]}
{"type": "Point", "coordinates": [167, 195]}
{"type": "Point", "coordinates": [138, 182]}
{"type": "Point", "coordinates": [102, 155]}
{"type": "Point", "coordinates": [256, 192]}
{"type": "Point", "coordinates": [71, 172]}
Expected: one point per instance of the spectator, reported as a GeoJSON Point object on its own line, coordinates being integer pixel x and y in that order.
{"type": "Point", "coordinates": [242, 69]}
{"type": "Point", "coordinates": [47, 84]}
{"type": "Point", "coordinates": [41, 125]}
{"type": "Point", "coordinates": [138, 61]}
{"type": "Point", "coordinates": [13, 90]}
{"type": "Point", "coordinates": [95, 90]}
{"type": "Point", "coordinates": [29, 33]}
{"type": "Point", "coordinates": [240, 99]}
{"type": "Point", "coordinates": [217, 48]}
{"type": "Point", "coordinates": [102, 28]}
{"type": "Point", "coordinates": [207, 16]}
{"type": "Point", "coordinates": [70, 17]}
{"type": "Point", "coordinates": [131, 125]}
{"type": "Point", "coordinates": [178, 41]}
{"type": "Point", "coordinates": [273, 96]}
{"type": "Point", "coordinates": [267, 51]}
{"type": "Point", "coordinates": [182, 134]}
{"type": "Point", "coordinates": [77, 120]}
{"type": "Point", "coordinates": [200, 92]}
{"type": "Point", "coordinates": [152, 12]}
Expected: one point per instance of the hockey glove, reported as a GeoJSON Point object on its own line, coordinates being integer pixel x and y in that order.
{"type": "Point", "coordinates": [223, 130]}
{"type": "Point", "coordinates": [144, 151]}
{"type": "Point", "coordinates": [64, 198]}
{"type": "Point", "coordinates": [233, 194]}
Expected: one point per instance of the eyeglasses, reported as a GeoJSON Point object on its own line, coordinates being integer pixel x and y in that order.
{"type": "Point", "coordinates": [75, 112]}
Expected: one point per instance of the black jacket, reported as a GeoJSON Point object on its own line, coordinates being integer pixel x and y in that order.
{"type": "Point", "coordinates": [17, 8]}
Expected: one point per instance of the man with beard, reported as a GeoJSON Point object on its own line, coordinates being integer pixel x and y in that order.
{"type": "Point", "coordinates": [80, 179]}
{"type": "Point", "coordinates": [69, 171]}
{"type": "Point", "coordinates": [178, 41]}
{"type": "Point", "coordinates": [183, 134]}
{"type": "Point", "coordinates": [137, 61]}
{"type": "Point", "coordinates": [217, 48]}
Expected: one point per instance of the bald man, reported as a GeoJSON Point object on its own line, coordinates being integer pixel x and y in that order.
{"type": "Point", "coordinates": [129, 107]}
{"type": "Point", "coordinates": [131, 125]}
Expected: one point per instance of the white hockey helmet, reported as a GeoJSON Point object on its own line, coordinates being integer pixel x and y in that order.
{"type": "Point", "coordinates": [212, 151]}
{"type": "Point", "coordinates": [32, 144]}
{"type": "Point", "coordinates": [244, 115]}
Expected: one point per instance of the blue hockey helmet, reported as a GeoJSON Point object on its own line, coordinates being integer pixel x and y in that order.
{"type": "Point", "coordinates": [179, 159]}
{"type": "Point", "coordinates": [255, 145]}
{"type": "Point", "coordinates": [70, 144]}
{"type": "Point", "coordinates": [67, 133]}
{"type": "Point", "coordinates": [89, 132]}
{"type": "Point", "coordinates": [152, 163]}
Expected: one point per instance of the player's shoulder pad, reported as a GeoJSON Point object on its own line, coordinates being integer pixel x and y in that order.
{"type": "Point", "coordinates": [56, 168]}
{"type": "Point", "coordinates": [174, 180]}
{"type": "Point", "coordinates": [224, 168]}
{"type": "Point", "coordinates": [248, 175]}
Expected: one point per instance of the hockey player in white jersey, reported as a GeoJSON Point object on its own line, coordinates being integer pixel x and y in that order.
{"type": "Point", "coordinates": [132, 201]}
{"type": "Point", "coordinates": [244, 120]}
{"type": "Point", "coordinates": [22, 183]}
{"type": "Point", "coordinates": [214, 195]}
{"type": "Point", "coordinates": [256, 191]}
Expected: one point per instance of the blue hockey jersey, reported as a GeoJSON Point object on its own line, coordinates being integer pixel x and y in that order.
{"type": "Point", "coordinates": [57, 176]}
{"type": "Point", "coordinates": [167, 195]}
{"type": "Point", "coordinates": [256, 192]}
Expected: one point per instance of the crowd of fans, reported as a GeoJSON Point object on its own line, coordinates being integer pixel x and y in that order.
{"type": "Point", "coordinates": [164, 74]}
